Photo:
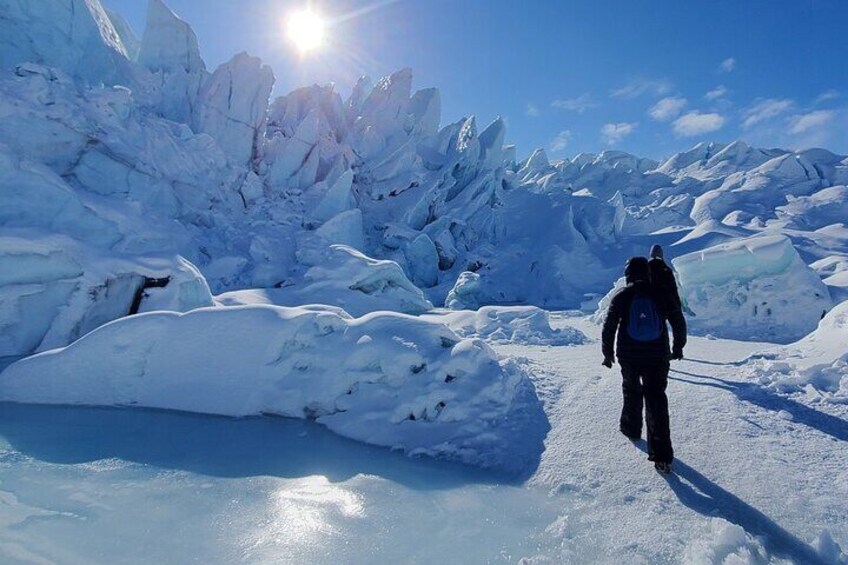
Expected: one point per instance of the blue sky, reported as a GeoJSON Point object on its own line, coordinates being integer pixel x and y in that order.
{"type": "Point", "coordinates": [651, 78]}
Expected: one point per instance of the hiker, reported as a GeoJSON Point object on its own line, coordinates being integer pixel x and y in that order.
{"type": "Point", "coordinates": [638, 314]}
{"type": "Point", "coordinates": [662, 275]}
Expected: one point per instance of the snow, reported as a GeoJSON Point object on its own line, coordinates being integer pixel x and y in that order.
{"type": "Point", "coordinates": [347, 279]}
{"type": "Point", "coordinates": [750, 485]}
{"type": "Point", "coordinates": [816, 365]}
{"type": "Point", "coordinates": [755, 288]}
{"type": "Point", "coordinates": [392, 380]}
{"type": "Point", "coordinates": [465, 293]}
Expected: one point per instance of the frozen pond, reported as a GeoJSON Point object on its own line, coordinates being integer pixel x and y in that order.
{"type": "Point", "coordinates": [101, 485]}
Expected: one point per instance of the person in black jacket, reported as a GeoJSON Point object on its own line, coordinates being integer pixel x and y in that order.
{"type": "Point", "coordinates": [638, 314]}
{"type": "Point", "coordinates": [662, 276]}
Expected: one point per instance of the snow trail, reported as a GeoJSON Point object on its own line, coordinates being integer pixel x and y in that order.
{"type": "Point", "coordinates": [745, 455]}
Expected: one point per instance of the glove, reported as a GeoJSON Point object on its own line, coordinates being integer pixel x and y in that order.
{"type": "Point", "coordinates": [607, 362]}
{"type": "Point", "coordinates": [677, 355]}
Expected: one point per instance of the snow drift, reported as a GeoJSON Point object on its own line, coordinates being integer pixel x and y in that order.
{"type": "Point", "coordinates": [385, 379]}
{"type": "Point", "coordinates": [816, 364]}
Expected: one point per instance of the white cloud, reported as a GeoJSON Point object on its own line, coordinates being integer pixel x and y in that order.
{"type": "Point", "coordinates": [812, 120]}
{"type": "Point", "coordinates": [579, 104]}
{"type": "Point", "coordinates": [830, 94]}
{"type": "Point", "coordinates": [532, 110]}
{"type": "Point", "coordinates": [638, 87]}
{"type": "Point", "coordinates": [667, 108]}
{"type": "Point", "coordinates": [561, 141]}
{"type": "Point", "coordinates": [614, 133]}
{"type": "Point", "coordinates": [695, 123]}
{"type": "Point", "coordinates": [716, 93]}
{"type": "Point", "coordinates": [727, 65]}
{"type": "Point", "coordinates": [763, 110]}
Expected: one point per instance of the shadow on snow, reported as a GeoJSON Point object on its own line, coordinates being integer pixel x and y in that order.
{"type": "Point", "coordinates": [220, 446]}
{"type": "Point", "coordinates": [755, 394]}
{"type": "Point", "coordinates": [702, 495]}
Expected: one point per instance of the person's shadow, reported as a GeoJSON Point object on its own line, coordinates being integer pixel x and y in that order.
{"type": "Point", "coordinates": [758, 395]}
{"type": "Point", "coordinates": [706, 497]}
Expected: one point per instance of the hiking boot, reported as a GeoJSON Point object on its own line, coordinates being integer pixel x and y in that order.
{"type": "Point", "coordinates": [662, 467]}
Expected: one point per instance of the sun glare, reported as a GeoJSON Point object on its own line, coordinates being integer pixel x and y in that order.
{"type": "Point", "coordinates": [305, 29]}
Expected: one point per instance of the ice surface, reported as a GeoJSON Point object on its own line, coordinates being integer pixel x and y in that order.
{"type": "Point", "coordinates": [391, 380]}
{"type": "Point", "coordinates": [169, 50]}
{"type": "Point", "coordinates": [220, 490]}
{"type": "Point", "coordinates": [232, 106]}
{"type": "Point", "coordinates": [76, 36]}
{"type": "Point", "coordinates": [188, 486]}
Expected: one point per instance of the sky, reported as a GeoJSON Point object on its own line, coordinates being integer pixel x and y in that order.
{"type": "Point", "coordinates": [648, 77]}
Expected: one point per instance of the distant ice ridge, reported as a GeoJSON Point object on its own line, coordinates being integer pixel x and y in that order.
{"type": "Point", "coordinates": [385, 379]}
{"type": "Point", "coordinates": [756, 288]}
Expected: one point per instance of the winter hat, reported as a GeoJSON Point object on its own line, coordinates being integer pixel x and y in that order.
{"type": "Point", "coordinates": [656, 251]}
{"type": "Point", "coordinates": [636, 269]}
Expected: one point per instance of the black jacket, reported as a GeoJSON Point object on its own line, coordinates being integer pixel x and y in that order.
{"type": "Point", "coordinates": [663, 277]}
{"type": "Point", "coordinates": [618, 318]}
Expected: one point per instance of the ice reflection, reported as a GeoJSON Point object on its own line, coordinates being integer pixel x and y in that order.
{"type": "Point", "coordinates": [303, 512]}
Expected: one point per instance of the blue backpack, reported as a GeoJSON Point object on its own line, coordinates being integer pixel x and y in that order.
{"type": "Point", "coordinates": [644, 323]}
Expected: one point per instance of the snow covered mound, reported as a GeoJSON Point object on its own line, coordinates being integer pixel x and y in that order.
{"type": "Point", "coordinates": [756, 289]}
{"type": "Point", "coordinates": [346, 279]}
{"type": "Point", "coordinates": [527, 325]}
{"type": "Point", "coordinates": [817, 364]}
{"type": "Point", "coordinates": [385, 379]}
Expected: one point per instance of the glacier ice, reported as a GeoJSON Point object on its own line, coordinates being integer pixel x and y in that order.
{"type": "Point", "coordinates": [754, 288]}
{"type": "Point", "coordinates": [509, 324]}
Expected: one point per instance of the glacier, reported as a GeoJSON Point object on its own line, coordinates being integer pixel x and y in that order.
{"type": "Point", "coordinates": [253, 191]}
{"type": "Point", "coordinates": [137, 179]}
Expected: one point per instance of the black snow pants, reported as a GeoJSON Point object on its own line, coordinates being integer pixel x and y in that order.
{"type": "Point", "coordinates": [647, 380]}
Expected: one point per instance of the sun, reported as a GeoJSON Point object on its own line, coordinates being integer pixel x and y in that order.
{"type": "Point", "coordinates": [305, 29]}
